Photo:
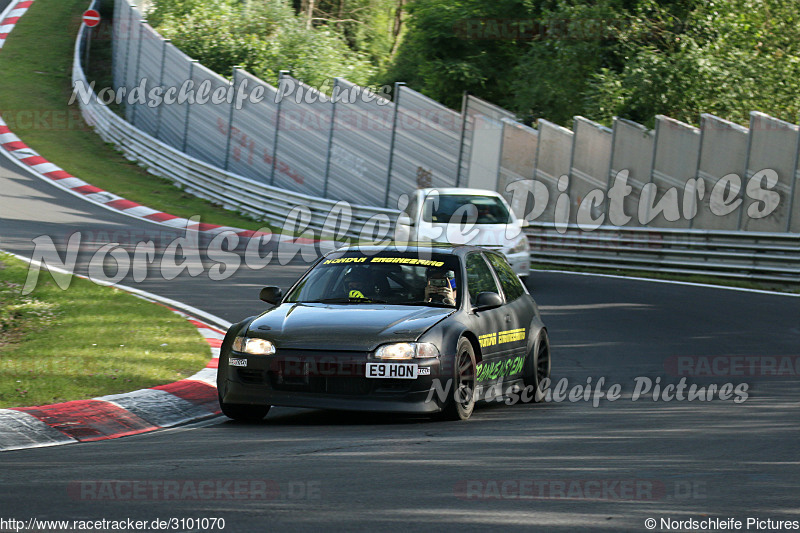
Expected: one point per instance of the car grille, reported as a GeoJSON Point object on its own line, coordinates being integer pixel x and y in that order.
{"type": "Point", "coordinates": [316, 373]}
{"type": "Point", "coordinates": [348, 386]}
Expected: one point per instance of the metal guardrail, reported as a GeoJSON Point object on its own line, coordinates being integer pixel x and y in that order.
{"type": "Point", "coordinates": [773, 257]}
{"type": "Point", "coordinates": [271, 204]}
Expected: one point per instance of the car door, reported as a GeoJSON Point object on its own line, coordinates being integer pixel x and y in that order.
{"type": "Point", "coordinates": [518, 313]}
{"type": "Point", "coordinates": [489, 323]}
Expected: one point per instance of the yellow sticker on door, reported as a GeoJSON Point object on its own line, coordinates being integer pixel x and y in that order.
{"type": "Point", "coordinates": [510, 335]}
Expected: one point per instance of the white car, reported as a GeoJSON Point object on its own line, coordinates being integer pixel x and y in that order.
{"type": "Point", "coordinates": [466, 216]}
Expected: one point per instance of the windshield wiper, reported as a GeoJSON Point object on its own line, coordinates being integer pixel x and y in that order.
{"type": "Point", "coordinates": [345, 300]}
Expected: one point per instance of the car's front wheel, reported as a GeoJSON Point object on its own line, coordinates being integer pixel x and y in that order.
{"type": "Point", "coordinates": [461, 402]}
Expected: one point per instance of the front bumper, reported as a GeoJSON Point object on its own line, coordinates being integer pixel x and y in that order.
{"type": "Point", "coordinates": [327, 380]}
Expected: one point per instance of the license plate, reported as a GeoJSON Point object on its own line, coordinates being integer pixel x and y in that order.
{"type": "Point", "coordinates": [392, 370]}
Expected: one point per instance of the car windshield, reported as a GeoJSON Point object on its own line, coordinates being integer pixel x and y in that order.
{"type": "Point", "coordinates": [464, 207]}
{"type": "Point", "coordinates": [386, 278]}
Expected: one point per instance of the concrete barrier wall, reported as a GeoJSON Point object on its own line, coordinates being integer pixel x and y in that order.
{"type": "Point", "coordinates": [473, 110]}
{"type": "Point", "coordinates": [426, 144]}
{"type": "Point", "coordinates": [677, 153]}
{"type": "Point", "coordinates": [591, 158]}
{"type": "Point", "coordinates": [772, 157]}
{"type": "Point", "coordinates": [518, 165]}
{"type": "Point", "coordinates": [723, 153]}
{"type": "Point", "coordinates": [631, 151]}
{"type": "Point", "coordinates": [553, 159]}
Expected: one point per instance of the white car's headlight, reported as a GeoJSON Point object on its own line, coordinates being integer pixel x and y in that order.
{"type": "Point", "coordinates": [253, 346]}
{"type": "Point", "coordinates": [520, 246]}
{"type": "Point", "coordinates": [407, 350]}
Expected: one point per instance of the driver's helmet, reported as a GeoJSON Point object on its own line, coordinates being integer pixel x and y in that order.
{"type": "Point", "coordinates": [447, 277]}
{"type": "Point", "coordinates": [356, 282]}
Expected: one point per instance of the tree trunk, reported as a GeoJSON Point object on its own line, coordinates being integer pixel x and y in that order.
{"type": "Point", "coordinates": [398, 26]}
{"type": "Point", "coordinates": [309, 13]}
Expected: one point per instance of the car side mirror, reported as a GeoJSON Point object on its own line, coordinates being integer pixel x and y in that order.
{"type": "Point", "coordinates": [488, 300]}
{"type": "Point", "coordinates": [271, 295]}
{"type": "Point", "coordinates": [405, 220]}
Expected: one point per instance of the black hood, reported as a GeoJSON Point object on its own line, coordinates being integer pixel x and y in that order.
{"type": "Point", "coordinates": [360, 327]}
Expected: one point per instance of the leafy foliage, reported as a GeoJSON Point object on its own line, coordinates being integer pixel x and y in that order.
{"type": "Point", "coordinates": [263, 36]}
{"type": "Point", "coordinates": [552, 59]}
{"type": "Point", "coordinates": [371, 27]}
{"type": "Point", "coordinates": [628, 58]}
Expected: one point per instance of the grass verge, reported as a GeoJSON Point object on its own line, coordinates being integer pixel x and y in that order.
{"type": "Point", "coordinates": [87, 341]}
{"type": "Point", "coordinates": [35, 88]}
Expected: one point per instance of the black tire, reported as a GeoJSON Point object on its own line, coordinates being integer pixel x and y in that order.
{"type": "Point", "coordinates": [537, 365]}
{"type": "Point", "coordinates": [244, 413]}
{"type": "Point", "coordinates": [461, 402]}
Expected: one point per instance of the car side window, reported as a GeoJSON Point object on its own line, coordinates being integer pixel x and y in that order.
{"type": "Point", "coordinates": [512, 286]}
{"type": "Point", "coordinates": [479, 277]}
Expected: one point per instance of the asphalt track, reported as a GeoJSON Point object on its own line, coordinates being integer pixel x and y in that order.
{"type": "Point", "coordinates": [608, 467]}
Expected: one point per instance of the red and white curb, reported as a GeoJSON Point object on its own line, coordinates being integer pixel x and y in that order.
{"type": "Point", "coordinates": [10, 17]}
{"type": "Point", "coordinates": [118, 415]}
{"type": "Point", "coordinates": [27, 158]}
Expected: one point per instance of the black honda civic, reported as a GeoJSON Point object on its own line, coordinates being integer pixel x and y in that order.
{"type": "Point", "coordinates": [426, 330]}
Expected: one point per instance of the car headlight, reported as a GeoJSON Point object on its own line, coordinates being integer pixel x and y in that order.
{"type": "Point", "coordinates": [253, 346]}
{"type": "Point", "coordinates": [407, 350]}
{"type": "Point", "coordinates": [520, 246]}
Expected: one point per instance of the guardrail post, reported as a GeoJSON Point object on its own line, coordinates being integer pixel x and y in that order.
{"type": "Point", "coordinates": [745, 177]}
{"type": "Point", "coordinates": [607, 202]}
{"type": "Point", "coordinates": [282, 74]}
{"type": "Point", "coordinates": [697, 201]}
{"type": "Point", "coordinates": [230, 119]}
{"type": "Point", "coordinates": [188, 108]}
{"type": "Point", "coordinates": [330, 139]}
{"type": "Point", "coordinates": [164, 43]}
{"type": "Point", "coordinates": [397, 86]}
{"type": "Point", "coordinates": [652, 174]}
{"type": "Point", "coordinates": [573, 209]}
{"type": "Point", "coordinates": [464, 115]}
{"type": "Point", "coordinates": [128, 29]}
{"type": "Point", "coordinates": [138, 64]}
{"type": "Point", "coordinates": [794, 184]}
{"type": "Point", "coordinates": [500, 154]}
{"type": "Point", "coordinates": [535, 167]}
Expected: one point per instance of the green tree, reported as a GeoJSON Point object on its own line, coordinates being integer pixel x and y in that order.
{"type": "Point", "coordinates": [457, 45]}
{"type": "Point", "coordinates": [263, 36]}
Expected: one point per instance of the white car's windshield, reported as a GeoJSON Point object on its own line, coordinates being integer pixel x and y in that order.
{"type": "Point", "coordinates": [390, 278]}
{"type": "Point", "coordinates": [443, 208]}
